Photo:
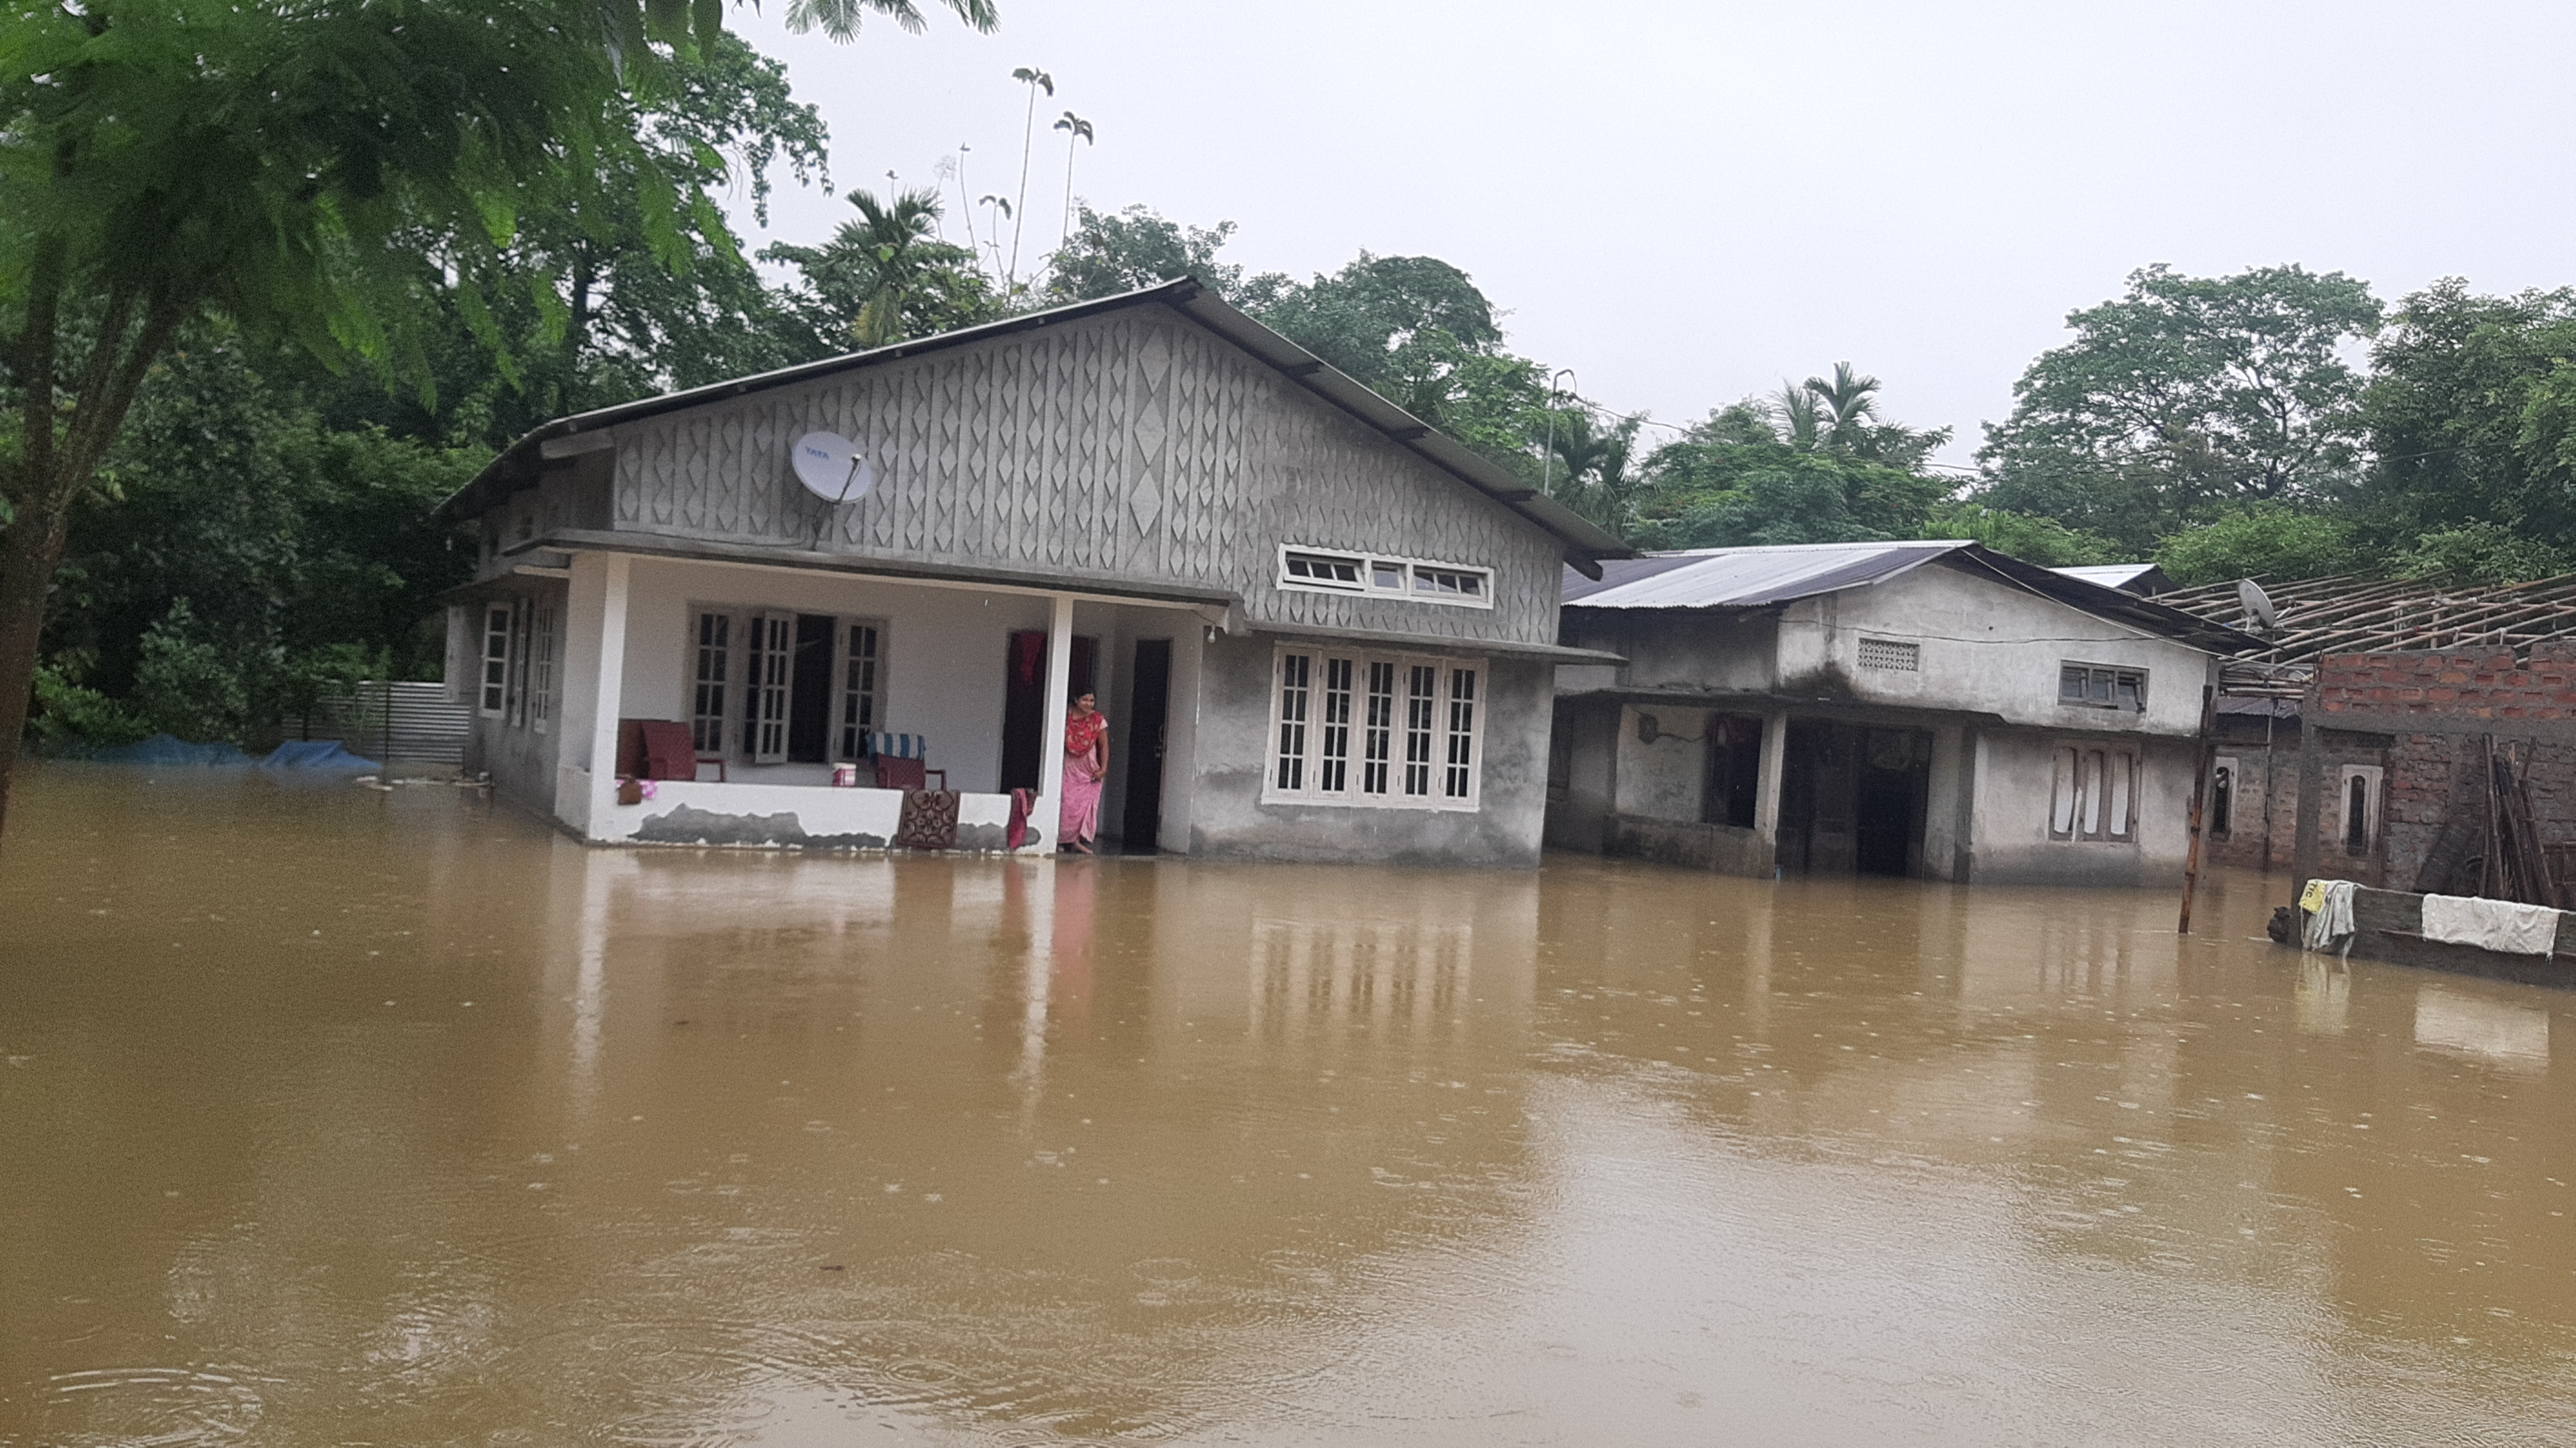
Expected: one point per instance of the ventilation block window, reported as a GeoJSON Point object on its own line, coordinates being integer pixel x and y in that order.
{"type": "Point", "coordinates": [2102, 686]}
{"type": "Point", "coordinates": [1413, 727]}
{"type": "Point", "coordinates": [1901, 655]}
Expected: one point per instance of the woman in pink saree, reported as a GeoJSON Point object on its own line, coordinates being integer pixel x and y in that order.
{"type": "Point", "coordinates": [1086, 764]}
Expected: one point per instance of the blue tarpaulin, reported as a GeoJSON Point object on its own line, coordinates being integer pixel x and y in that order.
{"type": "Point", "coordinates": [169, 749]}
{"type": "Point", "coordinates": [315, 754]}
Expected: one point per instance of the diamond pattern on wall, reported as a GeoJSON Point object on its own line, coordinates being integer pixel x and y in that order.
{"type": "Point", "coordinates": [1133, 444]}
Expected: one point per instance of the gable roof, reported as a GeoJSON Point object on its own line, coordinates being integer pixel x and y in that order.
{"type": "Point", "coordinates": [1584, 544]}
{"type": "Point", "coordinates": [1767, 577]}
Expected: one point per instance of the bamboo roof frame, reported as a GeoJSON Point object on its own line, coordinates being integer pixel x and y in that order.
{"type": "Point", "coordinates": [2351, 614]}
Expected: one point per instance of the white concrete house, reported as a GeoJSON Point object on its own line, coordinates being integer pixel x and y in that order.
{"type": "Point", "coordinates": [1931, 709]}
{"type": "Point", "coordinates": [1319, 628]}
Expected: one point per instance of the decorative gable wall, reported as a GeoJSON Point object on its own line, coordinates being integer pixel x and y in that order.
{"type": "Point", "coordinates": [1131, 445]}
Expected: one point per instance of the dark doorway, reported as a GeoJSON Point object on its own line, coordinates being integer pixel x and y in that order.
{"type": "Point", "coordinates": [1852, 799]}
{"type": "Point", "coordinates": [1149, 702]}
{"type": "Point", "coordinates": [1734, 770]}
{"type": "Point", "coordinates": [1025, 709]}
{"type": "Point", "coordinates": [809, 697]}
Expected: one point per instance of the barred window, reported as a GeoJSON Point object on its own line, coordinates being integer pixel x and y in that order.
{"type": "Point", "coordinates": [1378, 739]}
{"type": "Point", "coordinates": [541, 684]}
{"type": "Point", "coordinates": [1336, 753]}
{"type": "Point", "coordinates": [1295, 673]}
{"type": "Point", "coordinates": [1419, 727]}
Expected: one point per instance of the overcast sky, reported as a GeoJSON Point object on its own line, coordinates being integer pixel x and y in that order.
{"type": "Point", "coordinates": [1686, 202]}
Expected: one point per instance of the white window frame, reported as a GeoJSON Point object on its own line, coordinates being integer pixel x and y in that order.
{"type": "Point", "coordinates": [499, 621]}
{"type": "Point", "coordinates": [710, 677]}
{"type": "Point", "coordinates": [859, 685]}
{"type": "Point", "coordinates": [2372, 777]}
{"type": "Point", "coordinates": [2094, 789]}
{"type": "Point", "coordinates": [768, 685]}
{"type": "Point", "coordinates": [1389, 576]}
{"type": "Point", "coordinates": [1363, 729]}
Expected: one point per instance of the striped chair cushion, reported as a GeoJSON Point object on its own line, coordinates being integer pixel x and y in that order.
{"type": "Point", "coordinates": [899, 746]}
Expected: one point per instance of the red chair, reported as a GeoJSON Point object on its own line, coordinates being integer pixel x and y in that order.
{"type": "Point", "coordinates": [662, 749]}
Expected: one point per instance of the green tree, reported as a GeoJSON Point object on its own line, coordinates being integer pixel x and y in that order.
{"type": "Point", "coordinates": [2263, 540]}
{"type": "Point", "coordinates": [2043, 541]}
{"type": "Point", "coordinates": [2470, 415]}
{"type": "Point", "coordinates": [884, 277]}
{"type": "Point", "coordinates": [1113, 252]}
{"type": "Point", "coordinates": [1772, 471]}
{"type": "Point", "coordinates": [302, 171]}
{"type": "Point", "coordinates": [2187, 394]}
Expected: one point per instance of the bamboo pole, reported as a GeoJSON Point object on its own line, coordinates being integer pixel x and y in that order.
{"type": "Point", "coordinates": [2199, 800]}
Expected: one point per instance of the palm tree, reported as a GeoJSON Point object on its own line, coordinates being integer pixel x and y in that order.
{"type": "Point", "coordinates": [1849, 411]}
{"type": "Point", "coordinates": [1796, 406]}
{"type": "Point", "coordinates": [1599, 483]}
{"type": "Point", "coordinates": [1033, 78]}
{"type": "Point", "coordinates": [1075, 128]}
{"type": "Point", "coordinates": [883, 259]}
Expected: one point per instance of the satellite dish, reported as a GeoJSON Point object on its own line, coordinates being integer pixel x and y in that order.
{"type": "Point", "coordinates": [2258, 605]}
{"type": "Point", "coordinates": [830, 467]}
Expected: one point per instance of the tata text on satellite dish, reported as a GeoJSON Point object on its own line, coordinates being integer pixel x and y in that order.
{"type": "Point", "coordinates": [832, 468]}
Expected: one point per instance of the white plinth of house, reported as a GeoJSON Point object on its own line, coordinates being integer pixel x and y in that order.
{"type": "Point", "coordinates": [1319, 629]}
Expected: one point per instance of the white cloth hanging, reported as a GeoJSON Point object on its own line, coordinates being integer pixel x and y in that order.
{"type": "Point", "coordinates": [2328, 904]}
{"type": "Point", "coordinates": [2501, 925]}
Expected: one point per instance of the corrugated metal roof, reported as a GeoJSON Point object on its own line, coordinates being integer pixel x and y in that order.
{"type": "Point", "coordinates": [1748, 577]}
{"type": "Point", "coordinates": [2123, 576]}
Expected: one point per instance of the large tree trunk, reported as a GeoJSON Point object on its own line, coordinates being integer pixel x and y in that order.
{"type": "Point", "coordinates": [29, 554]}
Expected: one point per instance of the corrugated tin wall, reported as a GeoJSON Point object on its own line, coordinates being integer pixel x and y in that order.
{"type": "Point", "coordinates": [413, 723]}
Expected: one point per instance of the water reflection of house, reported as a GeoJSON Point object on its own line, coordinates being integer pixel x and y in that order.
{"type": "Point", "coordinates": [1930, 709]}
{"type": "Point", "coordinates": [1319, 627]}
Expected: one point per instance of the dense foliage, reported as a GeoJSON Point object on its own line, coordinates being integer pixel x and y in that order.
{"type": "Point", "coordinates": [331, 256]}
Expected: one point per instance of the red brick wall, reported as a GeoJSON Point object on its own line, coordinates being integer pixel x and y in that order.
{"type": "Point", "coordinates": [2480, 684]}
{"type": "Point", "coordinates": [2484, 684]}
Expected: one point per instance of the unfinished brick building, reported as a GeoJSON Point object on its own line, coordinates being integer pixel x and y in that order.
{"type": "Point", "coordinates": [2441, 771]}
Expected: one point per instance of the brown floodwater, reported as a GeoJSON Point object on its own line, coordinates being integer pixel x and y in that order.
{"type": "Point", "coordinates": [331, 1115]}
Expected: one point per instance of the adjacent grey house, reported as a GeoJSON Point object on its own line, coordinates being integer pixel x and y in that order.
{"type": "Point", "coordinates": [1930, 709]}
{"type": "Point", "coordinates": [1320, 628]}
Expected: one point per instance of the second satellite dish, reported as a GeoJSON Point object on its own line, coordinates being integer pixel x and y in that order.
{"type": "Point", "coordinates": [2258, 605]}
{"type": "Point", "coordinates": [831, 468]}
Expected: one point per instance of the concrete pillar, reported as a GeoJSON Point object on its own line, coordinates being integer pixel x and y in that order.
{"type": "Point", "coordinates": [1972, 753]}
{"type": "Point", "coordinates": [1766, 790]}
{"type": "Point", "coordinates": [1052, 707]}
{"type": "Point", "coordinates": [594, 667]}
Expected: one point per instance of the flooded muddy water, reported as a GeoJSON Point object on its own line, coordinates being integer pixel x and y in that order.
{"type": "Point", "coordinates": [330, 1115]}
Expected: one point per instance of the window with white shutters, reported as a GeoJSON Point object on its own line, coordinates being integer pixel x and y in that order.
{"type": "Point", "coordinates": [860, 676]}
{"type": "Point", "coordinates": [1414, 727]}
{"type": "Point", "coordinates": [496, 659]}
{"type": "Point", "coordinates": [1419, 580]}
{"type": "Point", "coordinates": [2094, 794]}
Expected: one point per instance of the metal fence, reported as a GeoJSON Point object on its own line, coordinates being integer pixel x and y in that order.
{"type": "Point", "coordinates": [389, 720]}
